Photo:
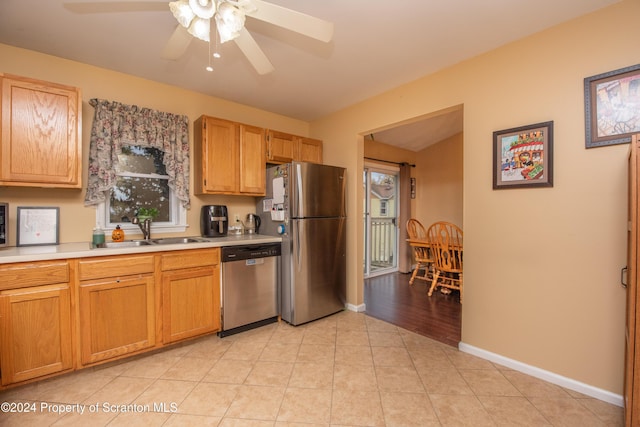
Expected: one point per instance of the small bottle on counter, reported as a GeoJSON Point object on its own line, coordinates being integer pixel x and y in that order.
{"type": "Point", "coordinates": [98, 236]}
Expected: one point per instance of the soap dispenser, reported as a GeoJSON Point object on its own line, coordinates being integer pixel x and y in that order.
{"type": "Point", "coordinates": [98, 236]}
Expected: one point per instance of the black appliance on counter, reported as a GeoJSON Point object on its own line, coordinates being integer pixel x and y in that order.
{"type": "Point", "coordinates": [4, 224]}
{"type": "Point", "coordinates": [214, 221]}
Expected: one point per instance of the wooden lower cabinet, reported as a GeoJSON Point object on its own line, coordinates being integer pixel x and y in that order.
{"type": "Point", "coordinates": [190, 294]}
{"type": "Point", "coordinates": [35, 333]}
{"type": "Point", "coordinates": [191, 303]}
{"type": "Point", "coordinates": [56, 316]}
{"type": "Point", "coordinates": [116, 317]}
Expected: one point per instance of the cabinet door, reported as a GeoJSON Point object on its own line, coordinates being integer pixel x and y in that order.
{"type": "Point", "coordinates": [191, 302]}
{"type": "Point", "coordinates": [41, 128]}
{"type": "Point", "coordinates": [632, 358]}
{"type": "Point", "coordinates": [117, 317]}
{"type": "Point", "coordinates": [253, 161]}
{"type": "Point", "coordinates": [35, 333]}
{"type": "Point", "coordinates": [281, 147]}
{"type": "Point", "coordinates": [217, 148]}
{"type": "Point", "coordinates": [309, 150]}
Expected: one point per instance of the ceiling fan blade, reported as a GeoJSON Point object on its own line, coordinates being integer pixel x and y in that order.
{"type": "Point", "coordinates": [117, 6]}
{"type": "Point", "coordinates": [177, 43]}
{"type": "Point", "coordinates": [254, 54]}
{"type": "Point", "coordinates": [292, 20]}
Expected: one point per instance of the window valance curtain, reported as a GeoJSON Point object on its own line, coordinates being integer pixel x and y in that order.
{"type": "Point", "coordinates": [116, 125]}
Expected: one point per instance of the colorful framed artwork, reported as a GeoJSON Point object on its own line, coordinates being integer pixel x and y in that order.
{"type": "Point", "coordinates": [523, 156]}
{"type": "Point", "coordinates": [38, 226]}
{"type": "Point", "coordinates": [612, 107]}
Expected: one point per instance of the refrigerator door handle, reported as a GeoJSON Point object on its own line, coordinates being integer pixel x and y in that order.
{"type": "Point", "coordinates": [300, 211]}
{"type": "Point", "coordinates": [298, 255]}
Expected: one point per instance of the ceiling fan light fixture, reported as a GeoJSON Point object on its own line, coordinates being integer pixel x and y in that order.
{"type": "Point", "coordinates": [203, 8]}
{"type": "Point", "coordinates": [182, 12]}
{"type": "Point", "coordinates": [200, 28]}
{"type": "Point", "coordinates": [230, 21]}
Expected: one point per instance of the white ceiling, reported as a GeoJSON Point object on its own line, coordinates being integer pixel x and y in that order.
{"type": "Point", "coordinates": [377, 45]}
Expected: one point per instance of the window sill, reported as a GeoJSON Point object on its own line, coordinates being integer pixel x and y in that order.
{"type": "Point", "coordinates": [132, 230]}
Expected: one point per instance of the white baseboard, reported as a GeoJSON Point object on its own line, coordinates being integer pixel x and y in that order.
{"type": "Point", "coordinates": [597, 393]}
{"type": "Point", "coordinates": [357, 308]}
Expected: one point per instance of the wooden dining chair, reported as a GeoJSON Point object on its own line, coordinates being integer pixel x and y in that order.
{"type": "Point", "coordinates": [445, 240]}
{"type": "Point", "coordinates": [421, 251]}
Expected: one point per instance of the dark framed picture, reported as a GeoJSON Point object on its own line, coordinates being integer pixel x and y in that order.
{"type": "Point", "coordinates": [612, 107]}
{"type": "Point", "coordinates": [38, 226]}
{"type": "Point", "coordinates": [523, 156]}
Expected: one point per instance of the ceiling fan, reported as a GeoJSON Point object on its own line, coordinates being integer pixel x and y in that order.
{"type": "Point", "coordinates": [224, 20]}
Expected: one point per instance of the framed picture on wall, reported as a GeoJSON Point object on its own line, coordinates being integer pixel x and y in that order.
{"type": "Point", "coordinates": [38, 226]}
{"type": "Point", "coordinates": [523, 156]}
{"type": "Point", "coordinates": [612, 106]}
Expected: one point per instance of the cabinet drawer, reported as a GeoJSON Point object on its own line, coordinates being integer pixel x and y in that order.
{"type": "Point", "coordinates": [27, 274]}
{"type": "Point", "coordinates": [97, 268]}
{"type": "Point", "coordinates": [190, 258]}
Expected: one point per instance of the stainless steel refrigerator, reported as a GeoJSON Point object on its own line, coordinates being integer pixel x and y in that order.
{"type": "Point", "coordinates": [305, 204]}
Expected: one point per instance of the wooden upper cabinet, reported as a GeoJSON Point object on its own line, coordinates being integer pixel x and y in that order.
{"type": "Point", "coordinates": [40, 143]}
{"type": "Point", "coordinates": [253, 165]}
{"type": "Point", "coordinates": [229, 158]}
{"type": "Point", "coordinates": [309, 150]}
{"type": "Point", "coordinates": [216, 156]}
{"type": "Point", "coordinates": [284, 148]}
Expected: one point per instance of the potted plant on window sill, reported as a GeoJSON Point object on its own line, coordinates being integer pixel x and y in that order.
{"type": "Point", "coordinates": [147, 213]}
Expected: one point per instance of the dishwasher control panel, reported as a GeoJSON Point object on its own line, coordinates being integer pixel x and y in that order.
{"type": "Point", "coordinates": [242, 252]}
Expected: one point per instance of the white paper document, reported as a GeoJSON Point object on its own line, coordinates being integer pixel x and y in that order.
{"type": "Point", "coordinates": [278, 190]}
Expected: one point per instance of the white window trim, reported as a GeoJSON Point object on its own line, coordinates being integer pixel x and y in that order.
{"type": "Point", "coordinates": [178, 223]}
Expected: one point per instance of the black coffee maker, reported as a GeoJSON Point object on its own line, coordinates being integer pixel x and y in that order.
{"type": "Point", "coordinates": [214, 221]}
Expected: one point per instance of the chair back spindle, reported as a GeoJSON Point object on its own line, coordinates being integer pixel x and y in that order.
{"type": "Point", "coordinates": [445, 240]}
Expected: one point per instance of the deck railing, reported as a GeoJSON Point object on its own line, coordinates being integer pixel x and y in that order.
{"type": "Point", "coordinates": [383, 241]}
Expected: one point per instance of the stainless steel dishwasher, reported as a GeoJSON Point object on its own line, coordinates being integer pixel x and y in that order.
{"type": "Point", "coordinates": [250, 286]}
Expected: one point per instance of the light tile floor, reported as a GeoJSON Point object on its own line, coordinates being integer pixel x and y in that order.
{"type": "Point", "coordinates": [345, 370]}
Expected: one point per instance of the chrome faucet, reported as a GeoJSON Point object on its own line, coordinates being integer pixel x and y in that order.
{"type": "Point", "coordinates": [145, 226]}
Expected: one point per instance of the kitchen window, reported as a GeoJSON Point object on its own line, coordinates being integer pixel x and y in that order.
{"type": "Point", "coordinates": [142, 181]}
{"type": "Point", "coordinates": [138, 157]}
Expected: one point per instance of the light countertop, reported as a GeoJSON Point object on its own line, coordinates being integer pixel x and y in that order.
{"type": "Point", "coordinates": [84, 249]}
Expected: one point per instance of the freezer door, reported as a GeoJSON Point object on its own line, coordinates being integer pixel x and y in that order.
{"type": "Point", "coordinates": [316, 282]}
{"type": "Point", "coordinates": [316, 190]}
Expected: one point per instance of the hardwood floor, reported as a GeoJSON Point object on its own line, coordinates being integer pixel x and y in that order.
{"type": "Point", "coordinates": [390, 298]}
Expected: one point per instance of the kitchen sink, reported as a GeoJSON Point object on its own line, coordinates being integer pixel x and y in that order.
{"type": "Point", "coordinates": [177, 240]}
{"type": "Point", "coordinates": [125, 244]}
{"type": "Point", "coordinates": [152, 242]}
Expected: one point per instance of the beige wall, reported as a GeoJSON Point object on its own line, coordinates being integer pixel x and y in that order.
{"type": "Point", "coordinates": [439, 185]}
{"type": "Point", "coordinates": [542, 266]}
{"type": "Point", "coordinates": [77, 221]}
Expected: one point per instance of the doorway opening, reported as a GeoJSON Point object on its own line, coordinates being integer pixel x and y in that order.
{"type": "Point", "coordinates": [434, 142]}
